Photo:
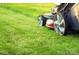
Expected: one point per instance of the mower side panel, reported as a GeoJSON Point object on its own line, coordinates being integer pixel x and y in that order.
{"type": "Point", "coordinates": [71, 19]}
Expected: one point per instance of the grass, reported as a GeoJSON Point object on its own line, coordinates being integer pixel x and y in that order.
{"type": "Point", "coordinates": [20, 33]}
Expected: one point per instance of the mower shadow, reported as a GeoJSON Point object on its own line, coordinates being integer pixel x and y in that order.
{"type": "Point", "coordinates": [74, 33]}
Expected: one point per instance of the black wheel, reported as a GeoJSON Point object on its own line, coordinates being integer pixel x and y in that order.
{"type": "Point", "coordinates": [60, 25]}
{"type": "Point", "coordinates": [42, 20]}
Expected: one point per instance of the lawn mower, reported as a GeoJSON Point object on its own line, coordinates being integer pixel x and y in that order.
{"type": "Point", "coordinates": [63, 18]}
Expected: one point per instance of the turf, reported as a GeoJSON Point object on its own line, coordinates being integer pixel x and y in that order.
{"type": "Point", "coordinates": [20, 33]}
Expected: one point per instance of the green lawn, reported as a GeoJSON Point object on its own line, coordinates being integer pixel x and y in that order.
{"type": "Point", "coordinates": [20, 33]}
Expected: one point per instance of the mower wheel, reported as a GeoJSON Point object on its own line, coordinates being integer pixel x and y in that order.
{"type": "Point", "coordinates": [42, 20]}
{"type": "Point", "coordinates": [60, 25]}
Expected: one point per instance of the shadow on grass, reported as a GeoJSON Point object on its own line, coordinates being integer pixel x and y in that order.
{"type": "Point", "coordinates": [74, 33]}
{"type": "Point", "coordinates": [70, 33]}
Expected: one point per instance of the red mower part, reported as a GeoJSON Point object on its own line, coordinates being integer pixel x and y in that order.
{"type": "Point", "coordinates": [50, 23]}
